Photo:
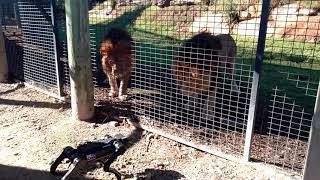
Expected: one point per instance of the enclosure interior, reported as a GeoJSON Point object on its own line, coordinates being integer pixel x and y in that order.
{"type": "Point", "coordinates": [215, 117]}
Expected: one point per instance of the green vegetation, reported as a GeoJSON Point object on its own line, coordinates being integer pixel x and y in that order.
{"type": "Point", "coordinates": [312, 4]}
{"type": "Point", "coordinates": [157, 37]}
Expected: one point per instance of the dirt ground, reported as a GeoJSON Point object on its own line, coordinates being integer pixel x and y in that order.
{"type": "Point", "coordinates": [35, 128]}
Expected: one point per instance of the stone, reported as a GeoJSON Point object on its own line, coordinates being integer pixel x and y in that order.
{"type": "Point", "coordinates": [255, 10]}
{"type": "Point", "coordinates": [307, 12]}
{"type": "Point", "coordinates": [305, 29]}
{"type": "Point", "coordinates": [245, 15]}
{"type": "Point", "coordinates": [184, 2]}
{"type": "Point", "coordinates": [114, 123]}
{"type": "Point", "coordinates": [213, 23]}
{"type": "Point", "coordinates": [285, 13]}
{"type": "Point", "coordinates": [166, 163]}
{"type": "Point", "coordinates": [251, 28]}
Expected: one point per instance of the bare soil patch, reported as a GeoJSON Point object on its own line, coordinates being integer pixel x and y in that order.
{"type": "Point", "coordinates": [35, 128]}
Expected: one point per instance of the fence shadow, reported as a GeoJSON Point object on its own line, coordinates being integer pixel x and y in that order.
{"type": "Point", "coordinates": [22, 173]}
{"type": "Point", "coordinates": [16, 87]}
{"type": "Point", "coordinates": [35, 104]}
{"type": "Point", "coordinates": [14, 51]}
{"type": "Point", "coordinates": [157, 174]}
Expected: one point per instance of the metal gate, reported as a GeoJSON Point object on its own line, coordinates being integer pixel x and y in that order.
{"type": "Point", "coordinates": [40, 57]}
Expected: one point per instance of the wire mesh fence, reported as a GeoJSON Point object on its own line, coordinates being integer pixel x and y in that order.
{"type": "Point", "coordinates": [39, 45]}
{"type": "Point", "coordinates": [288, 85]}
{"type": "Point", "coordinates": [164, 93]}
{"type": "Point", "coordinates": [190, 84]}
{"type": "Point", "coordinates": [285, 141]}
{"type": "Point", "coordinates": [217, 117]}
{"type": "Point", "coordinates": [62, 48]}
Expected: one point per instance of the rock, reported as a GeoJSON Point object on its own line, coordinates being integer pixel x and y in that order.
{"type": "Point", "coordinates": [245, 15]}
{"type": "Point", "coordinates": [286, 9]}
{"type": "Point", "coordinates": [251, 28]}
{"type": "Point", "coordinates": [17, 85]}
{"type": "Point", "coordinates": [285, 13]}
{"type": "Point", "coordinates": [166, 163]}
{"type": "Point", "coordinates": [114, 123]}
{"type": "Point", "coordinates": [306, 28]}
{"type": "Point", "coordinates": [307, 12]}
{"type": "Point", "coordinates": [255, 10]}
{"type": "Point", "coordinates": [161, 166]}
{"type": "Point", "coordinates": [128, 163]}
{"type": "Point", "coordinates": [184, 2]}
{"type": "Point", "coordinates": [9, 138]}
{"type": "Point", "coordinates": [214, 23]}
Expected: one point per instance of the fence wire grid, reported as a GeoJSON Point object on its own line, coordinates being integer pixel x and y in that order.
{"type": "Point", "coordinates": [216, 117]}
{"type": "Point", "coordinates": [39, 45]}
{"type": "Point", "coordinates": [209, 107]}
{"type": "Point", "coordinates": [288, 85]}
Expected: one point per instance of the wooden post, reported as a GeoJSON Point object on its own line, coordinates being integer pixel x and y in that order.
{"type": "Point", "coordinates": [78, 40]}
{"type": "Point", "coordinates": [3, 56]}
{"type": "Point", "coordinates": [312, 168]}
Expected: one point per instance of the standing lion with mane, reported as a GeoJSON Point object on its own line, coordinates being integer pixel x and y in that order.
{"type": "Point", "coordinates": [196, 71]}
{"type": "Point", "coordinates": [117, 61]}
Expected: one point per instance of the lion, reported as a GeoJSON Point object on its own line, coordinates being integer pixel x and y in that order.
{"type": "Point", "coordinates": [117, 60]}
{"type": "Point", "coordinates": [196, 66]}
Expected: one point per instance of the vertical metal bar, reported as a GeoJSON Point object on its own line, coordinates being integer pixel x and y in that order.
{"type": "Point", "coordinates": [311, 168]}
{"type": "Point", "coordinates": [56, 57]}
{"type": "Point", "coordinates": [3, 57]}
{"type": "Point", "coordinates": [17, 14]}
{"type": "Point", "coordinates": [2, 16]}
{"type": "Point", "coordinates": [255, 82]}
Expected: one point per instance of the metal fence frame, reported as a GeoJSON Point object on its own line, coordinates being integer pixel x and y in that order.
{"type": "Point", "coordinates": [253, 98]}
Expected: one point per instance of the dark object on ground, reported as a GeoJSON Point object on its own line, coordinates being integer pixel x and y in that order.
{"type": "Point", "coordinates": [90, 155]}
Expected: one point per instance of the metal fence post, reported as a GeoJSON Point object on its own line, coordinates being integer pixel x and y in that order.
{"type": "Point", "coordinates": [3, 56]}
{"type": "Point", "coordinates": [311, 168]}
{"type": "Point", "coordinates": [56, 57]}
{"type": "Point", "coordinates": [17, 14]}
{"type": "Point", "coordinates": [255, 82]}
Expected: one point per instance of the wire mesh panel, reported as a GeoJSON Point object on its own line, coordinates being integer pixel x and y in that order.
{"type": "Point", "coordinates": [39, 48]}
{"type": "Point", "coordinates": [288, 84]}
{"type": "Point", "coordinates": [60, 18]}
{"type": "Point", "coordinates": [185, 82]}
{"type": "Point", "coordinates": [286, 141]}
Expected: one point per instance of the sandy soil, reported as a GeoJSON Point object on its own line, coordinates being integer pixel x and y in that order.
{"type": "Point", "coordinates": [35, 128]}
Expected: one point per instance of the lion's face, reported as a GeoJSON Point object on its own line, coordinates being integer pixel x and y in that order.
{"type": "Point", "coordinates": [192, 79]}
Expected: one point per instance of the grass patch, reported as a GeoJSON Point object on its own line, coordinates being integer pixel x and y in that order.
{"type": "Point", "coordinates": [310, 4]}
{"type": "Point", "coordinates": [157, 34]}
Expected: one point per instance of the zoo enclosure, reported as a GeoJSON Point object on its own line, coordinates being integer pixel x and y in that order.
{"type": "Point", "coordinates": [220, 121]}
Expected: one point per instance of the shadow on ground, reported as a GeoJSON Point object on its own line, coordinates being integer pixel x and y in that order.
{"type": "Point", "coordinates": [22, 173]}
{"type": "Point", "coordinates": [156, 174]}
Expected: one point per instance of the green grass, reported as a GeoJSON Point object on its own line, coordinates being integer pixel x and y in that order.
{"type": "Point", "coordinates": [157, 40]}
{"type": "Point", "coordinates": [312, 4]}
